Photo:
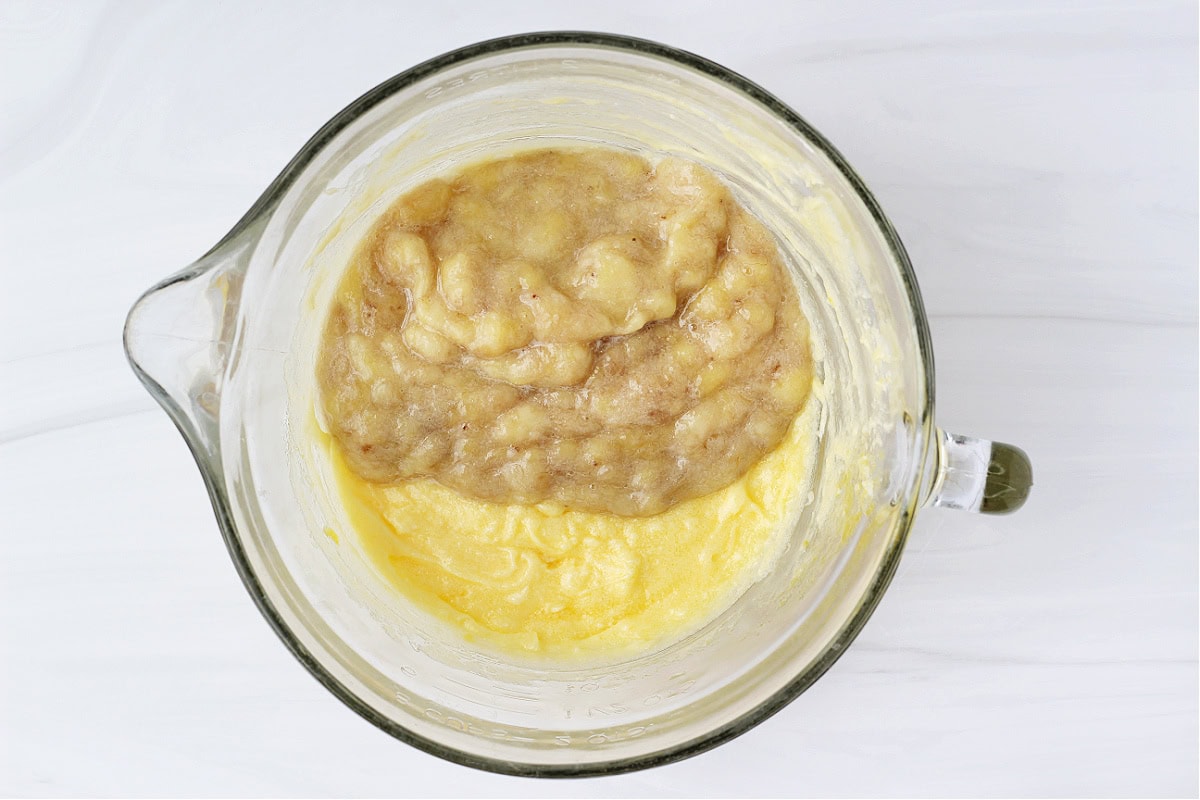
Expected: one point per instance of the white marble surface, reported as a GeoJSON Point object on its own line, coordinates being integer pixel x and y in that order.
{"type": "Point", "coordinates": [1039, 160]}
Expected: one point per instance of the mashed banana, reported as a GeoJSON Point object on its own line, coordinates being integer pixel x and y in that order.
{"type": "Point", "coordinates": [575, 327]}
{"type": "Point", "coordinates": [560, 389]}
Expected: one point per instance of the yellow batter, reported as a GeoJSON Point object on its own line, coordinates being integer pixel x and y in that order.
{"type": "Point", "coordinates": [563, 583]}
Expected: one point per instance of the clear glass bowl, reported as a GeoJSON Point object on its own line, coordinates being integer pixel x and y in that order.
{"type": "Point", "coordinates": [228, 345]}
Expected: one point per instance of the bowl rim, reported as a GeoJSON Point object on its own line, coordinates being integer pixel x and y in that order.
{"type": "Point", "coordinates": [870, 599]}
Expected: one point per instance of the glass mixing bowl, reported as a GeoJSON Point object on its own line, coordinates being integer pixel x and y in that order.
{"type": "Point", "coordinates": [228, 347]}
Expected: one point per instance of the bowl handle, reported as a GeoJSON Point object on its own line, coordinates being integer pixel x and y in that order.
{"type": "Point", "coordinates": [178, 337]}
{"type": "Point", "coordinates": [978, 475]}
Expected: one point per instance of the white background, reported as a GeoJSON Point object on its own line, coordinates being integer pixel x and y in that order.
{"type": "Point", "coordinates": [1039, 160]}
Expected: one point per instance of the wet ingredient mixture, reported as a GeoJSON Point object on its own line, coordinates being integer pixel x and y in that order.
{"type": "Point", "coordinates": [532, 364]}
